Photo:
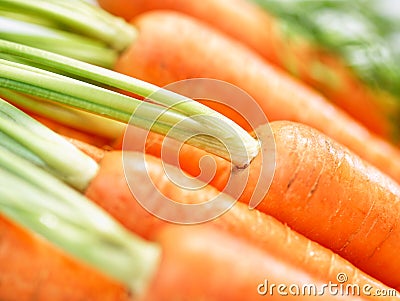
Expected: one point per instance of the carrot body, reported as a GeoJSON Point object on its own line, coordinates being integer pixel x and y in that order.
{"type": "Point", "coordinates": [324, 192]}
{"type": "Point", "coordinates": [279, 242]}
{"type": "Point", "coordinates": [261, 32]}
{"type": "Point", "coordinates": [200, 263]}
{"type": "Point", "coordinates": [160, 57]}
{"type": "Point", "coordinates": [333, 197]}
{"type": "Point", "coordinates": [32, 269]}
{"type": "Point", "coordinates": [109, 189]}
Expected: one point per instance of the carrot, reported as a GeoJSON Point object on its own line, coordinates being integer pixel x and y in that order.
{"type": "Point", "coordinates": [333, 197]}
{"type": "Point", "coordinates": [263, 33]}
{"type": "Point", "coordinates": [277, 241]}
{"type": "Point", "coordinates": [160, 57]}
{"type": "Point", "coordinates": [32, 269]}
{"type": "Point", "coordinates": [324, 192]}
{"type": "Point", "coordinates": [188, 256]}
{"type": "Point", "coordinates": [210, 254]}
{"type": "Point", "coordinates": [226, 269]}
{"type": "Point", "coordinates": [348, 251]}
{"type": "Point", "coordinates": [94, 236]}
{"type": "Point", "coordinates": [119, 201]}
{"type": "Point", "coordinates": [97, 240]}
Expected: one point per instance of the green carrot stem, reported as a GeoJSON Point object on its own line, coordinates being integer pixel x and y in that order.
{"type": "Point", "coordinates": [77, 119]}
{"type": "Point", "coordinates": [58, 41]}
{"type": "Point", "coordinates": [35, 142]}
{"type": "Point", "coordinates": [237, 145]}
{"type": "Point", "coordinates": [79, 17]}
{"type": "Point", "coordinates": [38, 201]}
{"type": "Point", "coordinates": [12, 145]}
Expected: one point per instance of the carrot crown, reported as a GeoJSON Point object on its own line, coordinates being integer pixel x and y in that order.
{"type": "Point", "coordinates": [165, 112]}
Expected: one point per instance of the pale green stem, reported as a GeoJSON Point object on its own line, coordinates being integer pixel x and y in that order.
{"type": "Point", "coordinates": [77, 119]}
{"type": "Point", "coordinates": [35, 142]}
{"type": "Point", "coordinates": [79, 17]}
{"type": "Point", "coordinates": [43, 204]}
{"type": "Point", "coordinates": [240, 148]}
{"type": "Point", "coordinates": [58, 41]}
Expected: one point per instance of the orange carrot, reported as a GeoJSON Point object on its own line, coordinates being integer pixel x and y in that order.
{"type": "Point", "coordinates": [202, 263]}
{"type": "Point", "coordinates": [324, 192]}
{"type": "Point", "coordinates": [32, 269]}
{"type": "Point", "coordinates": [256, 228]}
{"type": "Point", "coordinates": [334, 198]}
{"type": "Point", "coordinates": [196, 263]}
{"type": "Point", "coordinates": [261, 32]}
{"type": "Point", "coordinates": [160, 57]}
{"type": "Point", "coordinates": [109, 189]}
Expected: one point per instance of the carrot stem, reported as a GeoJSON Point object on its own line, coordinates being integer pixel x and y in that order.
{"type": "Point", "coordinates": [35, 142]}
{"type": "Point", "coordinates": [166, 112]}
{"type": "Point", "coordinates": [81, 120]}
{"type": "Point", "coordinates": [79, 17]}
{"type": "Point", "coordinates": [60, 214]}
{"type": "Point", "coordinates": [58, 41]}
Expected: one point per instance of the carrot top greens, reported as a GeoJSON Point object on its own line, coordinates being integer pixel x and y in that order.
{"type": "Point", "coordinates": [365, 33]}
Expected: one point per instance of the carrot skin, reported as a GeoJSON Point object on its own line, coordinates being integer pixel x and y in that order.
{"type": "Point", "coordinates": [261, 32]}
{"type": "Point", "coordinates": [193, 265]}
{"type": "Point", "coordinates": [200, 263]}
{"type": "Point", "coordinates": [110, 190]}
{"type": "Point", "coordinates": [159, 57]}
{"type": "Point", "coordinates": [255, 228]}
{"type": "Point", "coordinates": [32, 269]}
{"type": "Point", "coordinates": [323, 191]}
{"type": "Point", "coordinates": [333, 197]}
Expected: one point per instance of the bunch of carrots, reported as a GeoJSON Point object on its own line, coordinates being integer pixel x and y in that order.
{"type": "Point", "coordinates": [326, 223]}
